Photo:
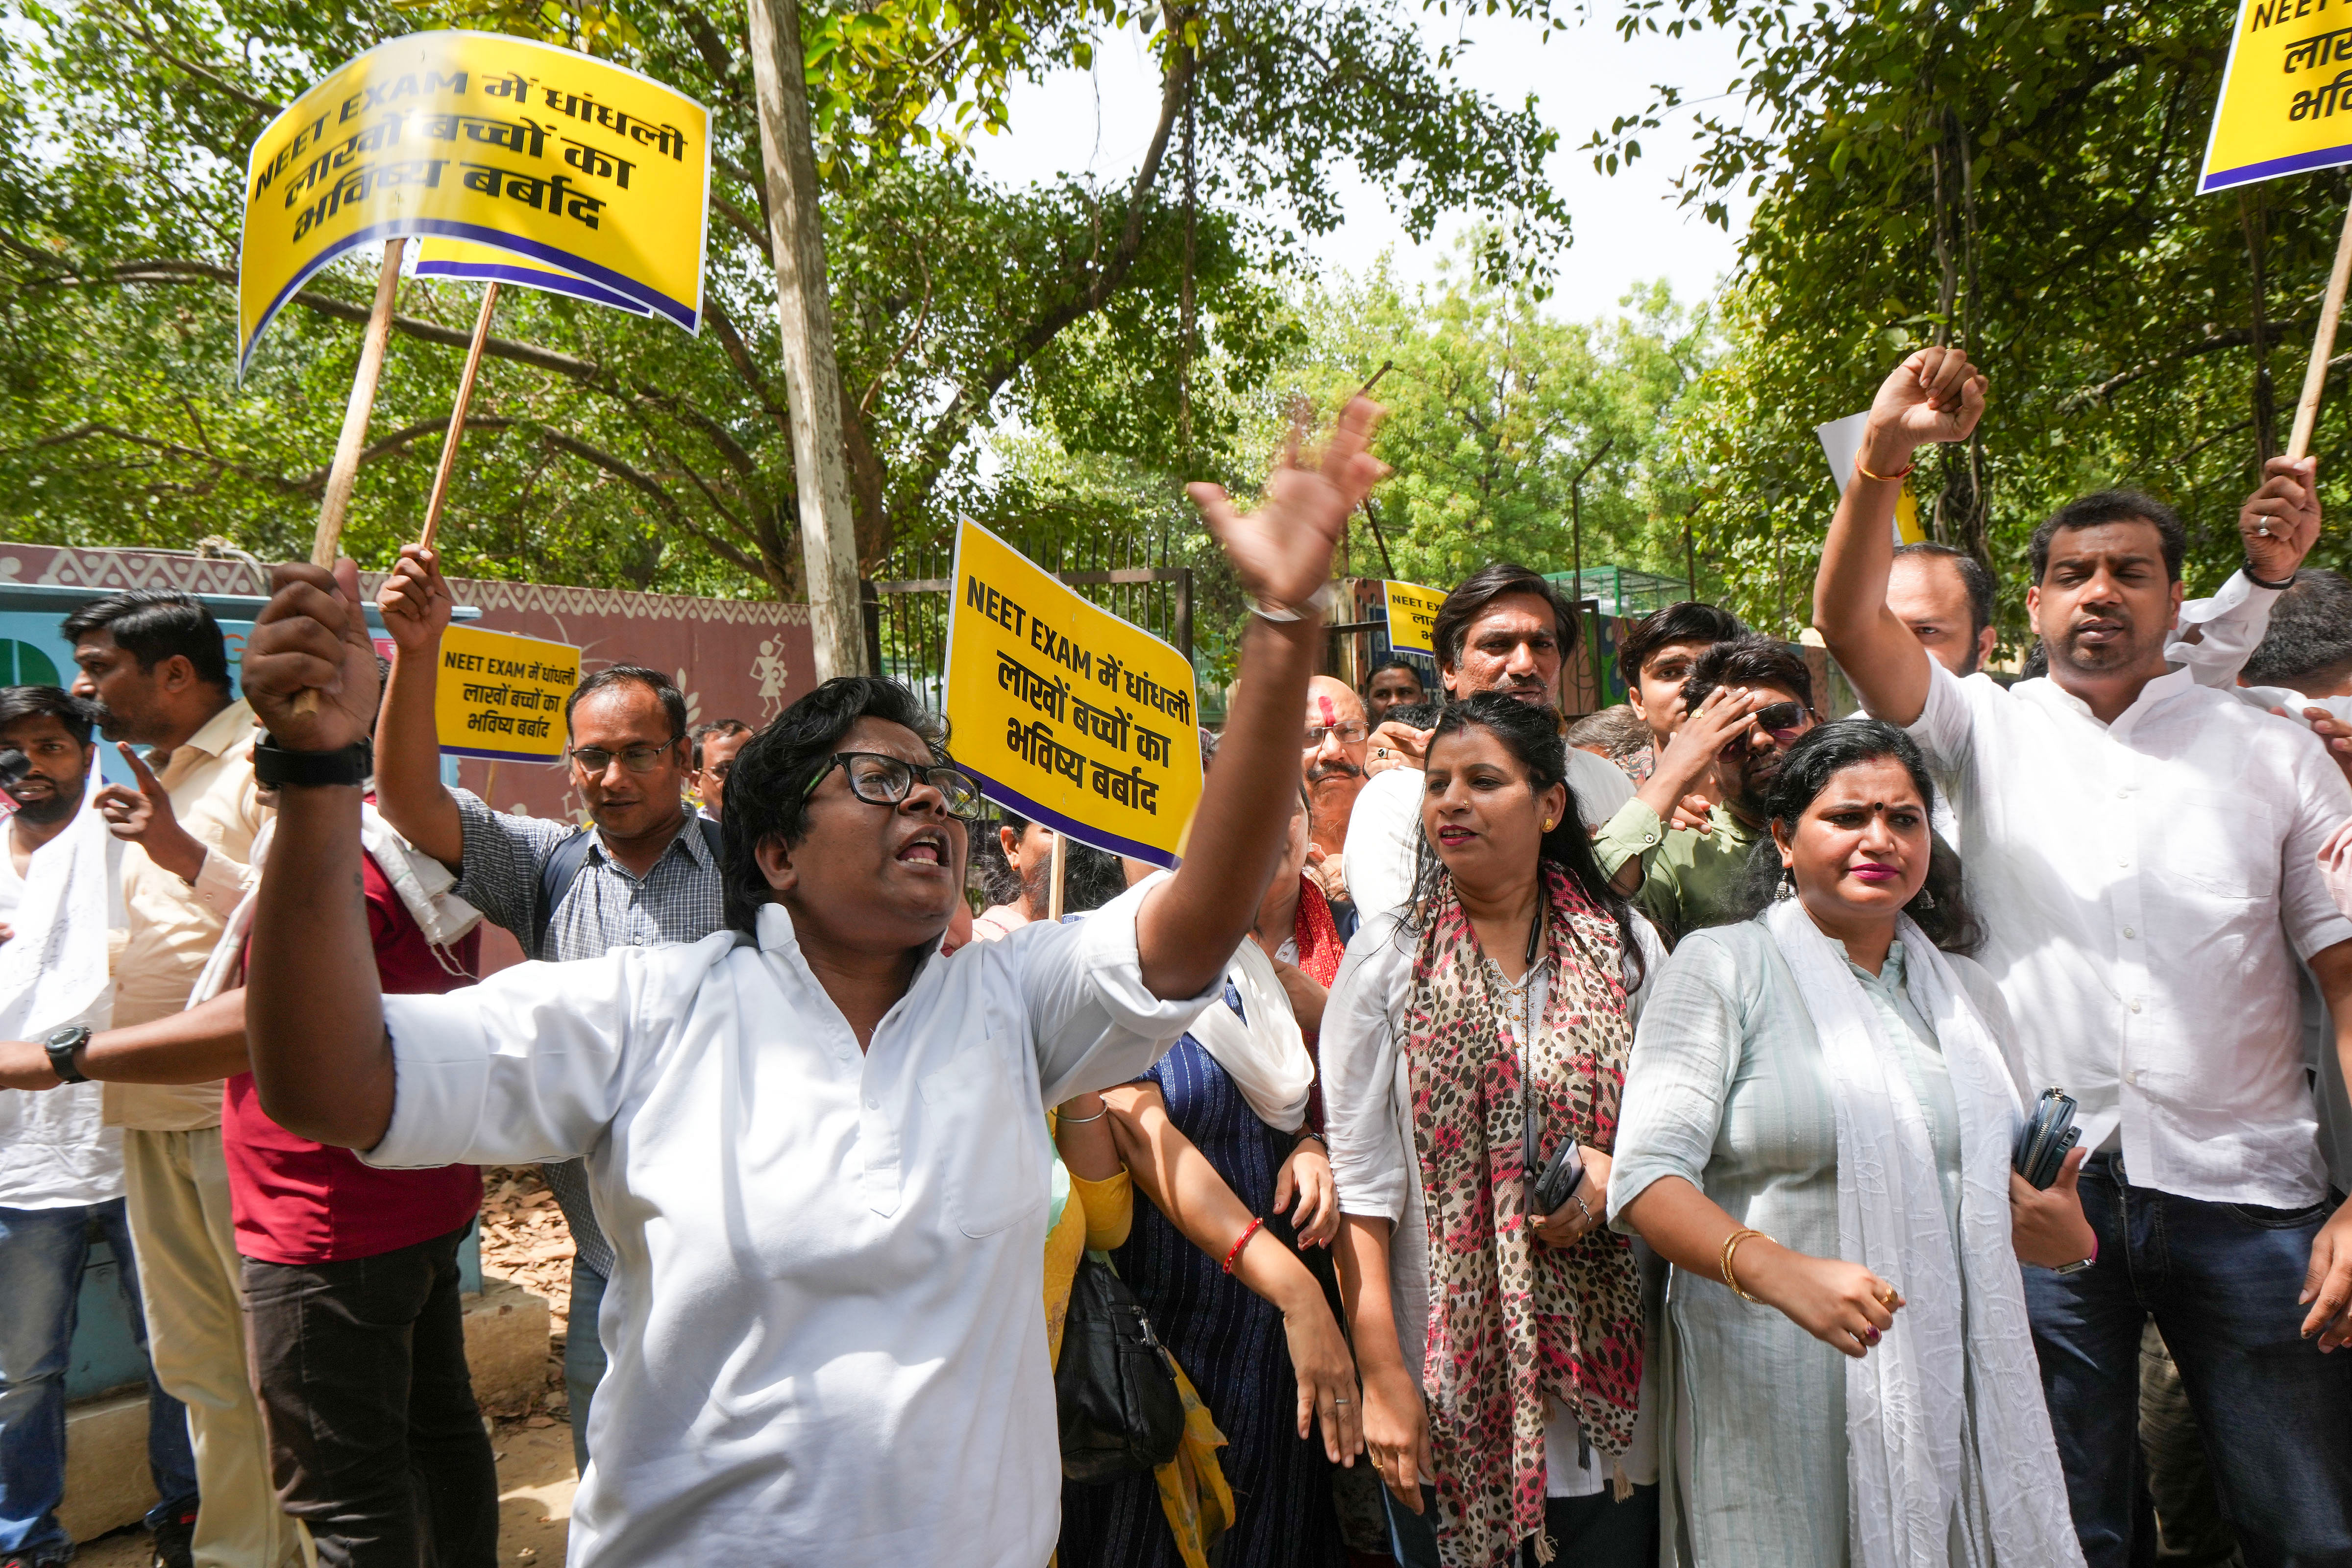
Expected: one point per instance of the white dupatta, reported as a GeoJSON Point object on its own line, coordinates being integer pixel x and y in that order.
{"type": "Point", "coordinates": [55, 969]}
{"type": "Point", "coordinates": [1267, 1056]}
{"type": "Point", "coordinates": [1964, 1325]}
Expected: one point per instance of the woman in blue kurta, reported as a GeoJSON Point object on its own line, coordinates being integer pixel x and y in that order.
{"type": "Point", "coordinates": [1198, 1138]}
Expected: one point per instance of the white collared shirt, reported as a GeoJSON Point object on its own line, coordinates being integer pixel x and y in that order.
{"type": "Point", "coordinates": [825, 1330]}
{"type": "Point", "coordinates": [2145, 888]}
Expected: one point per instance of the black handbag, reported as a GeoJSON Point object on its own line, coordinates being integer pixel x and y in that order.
{"type": "Point", "coordinates": [2048, 1136]}
{"type": "Point", "coordinates": [1120, 1414]}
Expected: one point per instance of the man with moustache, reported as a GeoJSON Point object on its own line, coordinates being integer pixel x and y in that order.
{"type": "Point", "coordinates": [1505, 629]}
{"type": "Point", "coordinates": [2142, 849]}
{"type": "Point", "coordinates": [156, 666]}
{"type": "Point", "coordinates": [1331, 760]}
{"type": "Point", "coordinates": [1395, 683]}
{"type": "Point", "coordinates": [1746, 702]}
{"type": "Point", "coordinates": [60, 1167]}
{"type": "Point", "coordinates": [647, 872]}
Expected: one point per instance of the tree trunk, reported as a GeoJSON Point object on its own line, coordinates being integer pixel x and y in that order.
{"type": "Point", "coordinates": [804, 312]}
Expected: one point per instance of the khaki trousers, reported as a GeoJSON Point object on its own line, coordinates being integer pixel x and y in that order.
{"type": "Point", "coordinates": [189, 1275]}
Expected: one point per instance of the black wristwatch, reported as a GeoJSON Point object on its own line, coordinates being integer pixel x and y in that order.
{"type": "Point", "coordinates": [278, 768]}
{"type": "Point", "coordinates": [61, 1047]}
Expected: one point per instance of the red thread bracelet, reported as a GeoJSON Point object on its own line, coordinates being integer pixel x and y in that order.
{"type": "Point", "coordinates": [1247, 1231]}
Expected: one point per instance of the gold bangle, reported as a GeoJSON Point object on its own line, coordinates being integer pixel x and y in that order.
{"type": "Point", "coordinates": [1882, 479]}
{"type": "Point", "coordinates": [1731, 1245]}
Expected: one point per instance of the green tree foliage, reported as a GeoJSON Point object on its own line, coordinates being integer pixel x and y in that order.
{"type": "Point", "coordinates": [610, 450]}
{"type": "Point", "coordinates": [2018, 175]}
{"type": "Point", "coordinates": [1495, 405]}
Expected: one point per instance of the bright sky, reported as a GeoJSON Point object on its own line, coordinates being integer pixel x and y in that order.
{"type": "Point", "coordinates": [1627, 229]}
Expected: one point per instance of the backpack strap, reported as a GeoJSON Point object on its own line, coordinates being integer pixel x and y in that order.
{"type": "Point", "coordinates": [556, 875]}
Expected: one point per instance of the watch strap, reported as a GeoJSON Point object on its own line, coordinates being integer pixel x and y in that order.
{"type": "Point", "coordinates": [280, 768]}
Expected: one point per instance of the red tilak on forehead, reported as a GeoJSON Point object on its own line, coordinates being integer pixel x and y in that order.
{"type": "Point", "coordinates": [1330, 714]}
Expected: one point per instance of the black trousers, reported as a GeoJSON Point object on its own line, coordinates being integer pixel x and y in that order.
{"type": "Point", "coordinates": [375, 1443]}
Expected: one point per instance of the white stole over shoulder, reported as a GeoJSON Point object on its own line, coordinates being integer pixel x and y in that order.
{"type": "Point", "coordinates": [55, 971]}
{"type": "Point", "coordinates": [1964, 1325]}
{"type": "Point", "coordinates": [1267, 1056]}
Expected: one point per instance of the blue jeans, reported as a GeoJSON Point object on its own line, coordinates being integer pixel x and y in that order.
{"type": "Point", "coordinates": [583, 1355]}
{"type": "Point", "coordinates": [42, 1254]}
{"type": "Point", "coordinates": [2221, 1280]}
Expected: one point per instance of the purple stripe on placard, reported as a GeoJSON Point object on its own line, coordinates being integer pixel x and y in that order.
{"type": "Point", "coordinates": [1111, 843]}
{"type": "Point", "coordinates": [2272, 168]}
{"type": "Point", "coordinates": [491, 756]}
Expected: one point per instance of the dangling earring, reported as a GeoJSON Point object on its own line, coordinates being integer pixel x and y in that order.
{"type": "Point", "coordinates": [1787, 887]}
{"type": "Point", "coordinates": [1926, 901]}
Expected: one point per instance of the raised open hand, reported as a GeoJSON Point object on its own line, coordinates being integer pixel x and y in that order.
{"type": "Point", "coordinates": [415, 599]}
{"type": "Point", "coordinates": [1935, 395]}
{"type": "Point", "coordinates": [2280, 521]}
{"type": "Point", "coordinates": [1282, 551]}
{"type": "Point", "coordinates": [312, 637]}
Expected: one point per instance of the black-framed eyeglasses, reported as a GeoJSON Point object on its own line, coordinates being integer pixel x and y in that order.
{"type": "Point", "coordinates": [1781, 720]}
{"type": "Point", "coordinates": [1353, 731]}
{"type": "Point", "coordinates": [594, 759]}
{"type": "Point", "coordinates": [880, 780]}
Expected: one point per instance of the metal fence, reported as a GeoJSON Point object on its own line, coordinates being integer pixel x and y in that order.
{"type": "Point", "coordinates": [1133, 575]}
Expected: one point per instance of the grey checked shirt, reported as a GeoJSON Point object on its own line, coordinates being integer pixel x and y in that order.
{"type": "Point", "coordinates": [607, 906]}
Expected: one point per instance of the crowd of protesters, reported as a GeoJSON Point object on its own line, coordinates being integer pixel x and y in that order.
{"type": "Point", "coordinates": [1506, 1140]}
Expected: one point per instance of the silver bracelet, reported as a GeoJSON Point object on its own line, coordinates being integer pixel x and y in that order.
{"type": "Point", "coordinates": [1281, 615]}
{"type": "Point", "coordinates": [1082, 1120]}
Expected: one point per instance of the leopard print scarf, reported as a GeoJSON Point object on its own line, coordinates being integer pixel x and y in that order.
{"type": "Point", "coordinates": [1511, 1321]}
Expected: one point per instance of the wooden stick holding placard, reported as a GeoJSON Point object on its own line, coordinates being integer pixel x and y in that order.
{"type": "Point", "coordinates": [339, 478]}
{"type": "Point", "coordinates": [362, 403]}
{"type": "Point", "coordinates": [458, 416]}
{"type": "Point", "coordinates": [1053, 898]}
{"type": "Point", "coordinates": [2322, 346]}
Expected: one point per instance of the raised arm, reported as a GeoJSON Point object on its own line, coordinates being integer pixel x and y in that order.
{"type": "Point", "coordinates": [416, 603]}
{"type": "Point", "coordinates": [1281, 554]}
{"type": "Point", "coordinates": [314, 1013]}
{"type": "Point", "coordinates": [1935, 395]}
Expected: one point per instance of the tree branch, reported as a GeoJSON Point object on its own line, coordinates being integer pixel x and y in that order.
{"type": "Point", "coordinates": [946, 431]}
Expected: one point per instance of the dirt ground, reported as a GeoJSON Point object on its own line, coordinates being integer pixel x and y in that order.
{"type": "Point", "coordinates": [523, 1240]}
{"type": "Point", "coordinates": [535, 1485]}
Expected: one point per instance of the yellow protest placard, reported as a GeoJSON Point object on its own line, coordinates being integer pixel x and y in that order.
{"type": "Point", "coordinates": [2289, 76]}
{"type": "Point", "coordinates": [574, 162]}
{"type": "Point", "coordinates": [1412, 617]}
{"type": "Point", "coordinates": [466, 261]}
{"type": "Point", "coordinates": [502, 696]}
{"type": "Point", "coordinates": [1066, 713]}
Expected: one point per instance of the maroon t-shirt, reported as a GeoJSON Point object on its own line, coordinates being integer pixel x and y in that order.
{"type": "Point", "coordinates": [296, 1202]}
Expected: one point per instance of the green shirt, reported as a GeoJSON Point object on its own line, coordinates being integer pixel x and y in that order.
{"type": "Point", "coordinates": [1689, 879]}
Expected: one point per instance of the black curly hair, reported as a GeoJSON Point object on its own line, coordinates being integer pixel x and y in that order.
{"type": "Point", "coordinates": [767, 793]}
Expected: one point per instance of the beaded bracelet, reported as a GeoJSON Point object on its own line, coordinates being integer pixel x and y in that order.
{"type": "Point", "coordinates": [1247, 1231]}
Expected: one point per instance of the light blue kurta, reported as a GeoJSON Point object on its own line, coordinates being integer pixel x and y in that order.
{"type": "Point", "coordinates": [1726, 1088]}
